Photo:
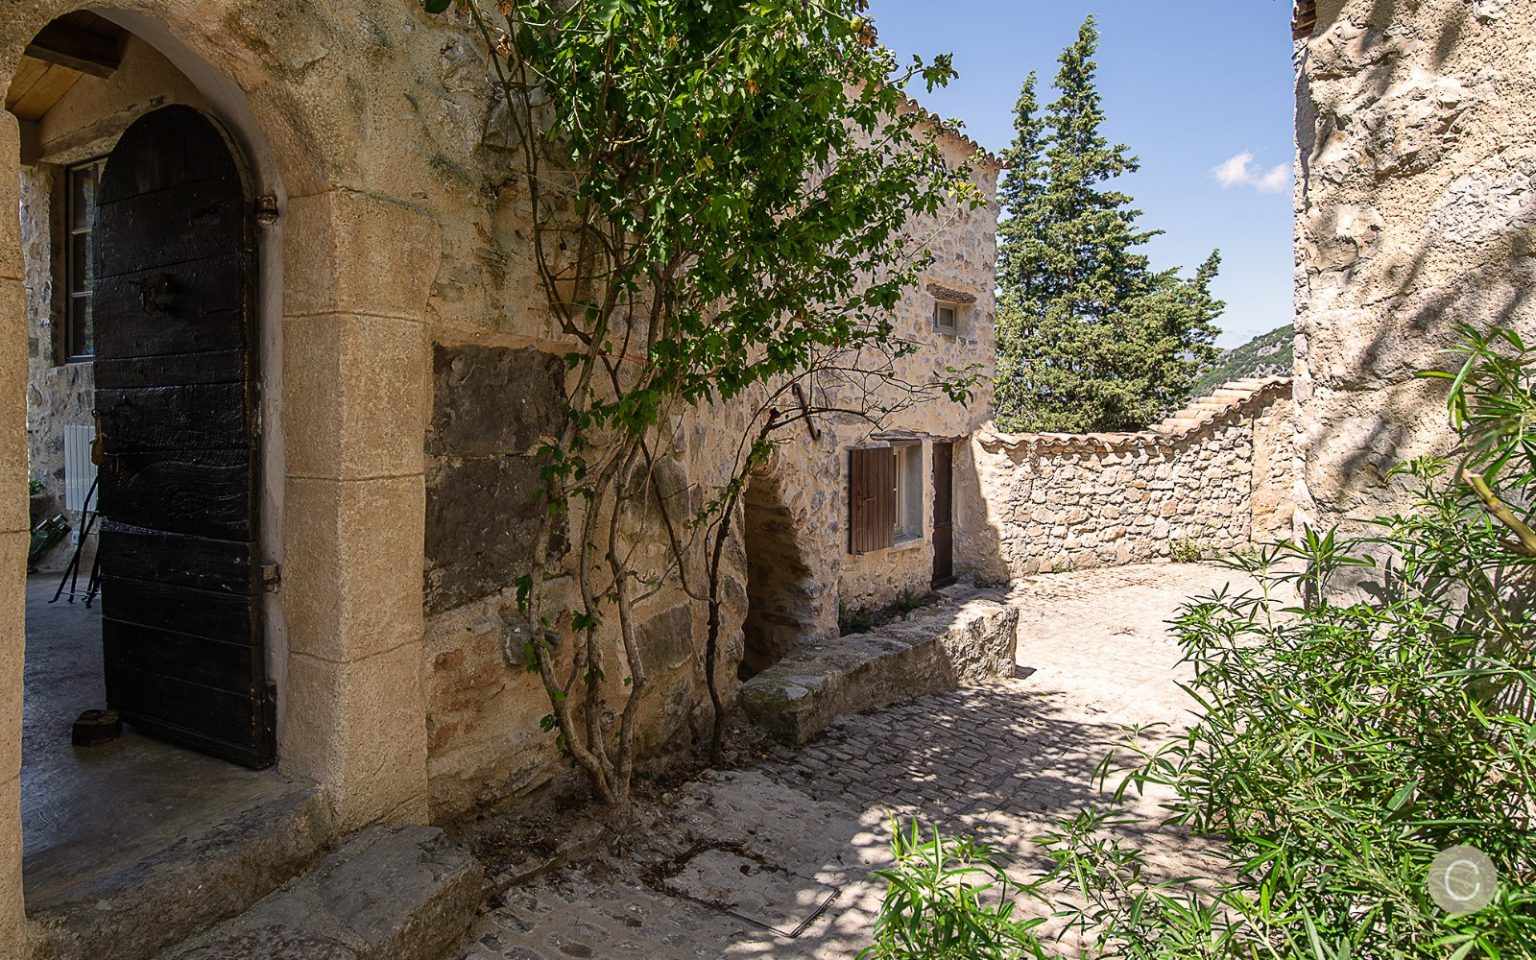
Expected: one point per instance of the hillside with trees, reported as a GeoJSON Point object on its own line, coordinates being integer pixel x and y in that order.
{"type": "Point", "coordinates": [1267, 355]}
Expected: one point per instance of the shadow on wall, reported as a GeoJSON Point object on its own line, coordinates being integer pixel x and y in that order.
{"type": "Point", "coordinates": [779, 606]}
{"type": "Point", "coordinates": [1414, 217]}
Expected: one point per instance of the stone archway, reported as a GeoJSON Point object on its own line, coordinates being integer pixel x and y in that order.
{"type": "Point", "coordinates": [346, 271]}
{"type": "Point", "coordinates": [781, 610]}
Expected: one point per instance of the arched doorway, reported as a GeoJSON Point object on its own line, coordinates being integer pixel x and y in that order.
{"type": "Point", "coordinates": [351, 740]}
{"type": "Point", "coordinates": [780, 608]}
{"type": "Point", "coordinates": [142, 306]}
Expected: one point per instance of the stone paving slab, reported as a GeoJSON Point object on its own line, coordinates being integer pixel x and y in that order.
{"type": "Point", "coordinates": [1001, 760]}
{"type": "Point", "coordinates": [777, 899]}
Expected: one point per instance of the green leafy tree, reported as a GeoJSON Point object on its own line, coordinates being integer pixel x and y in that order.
{"type": "Point", "coordinates": [722, 199]}
{"type": "Point", "coordinates": [1090, 337]}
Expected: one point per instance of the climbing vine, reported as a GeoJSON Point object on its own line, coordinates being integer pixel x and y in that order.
{"type": "Point", "coordinates": [722, 197]}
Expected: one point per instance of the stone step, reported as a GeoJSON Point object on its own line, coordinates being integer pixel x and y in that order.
{"type": "Point", "coordinates": [967, 638]}
{"type": "Point", "coordinates": [383, 894]}
{"type": "Point", "coordinates": [131, 907]}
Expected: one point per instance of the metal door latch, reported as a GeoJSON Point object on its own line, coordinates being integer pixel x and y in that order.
{"type": "Point", "coordinates": [271, 576]}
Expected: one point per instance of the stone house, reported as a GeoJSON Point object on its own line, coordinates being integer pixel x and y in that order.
{"type": "Point", "coordinates": [1415, 192]}
{"type": "Point", "coordinates": [361, 394]}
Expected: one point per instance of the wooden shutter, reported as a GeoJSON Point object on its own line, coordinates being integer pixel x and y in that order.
{"type": "Point", "coordinates": [1304, 19]}
{"type": "Point", "coordinates": [871, 499]}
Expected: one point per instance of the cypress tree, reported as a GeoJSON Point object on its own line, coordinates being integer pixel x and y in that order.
{"type": "Point", "coordinates": [1090, 338]}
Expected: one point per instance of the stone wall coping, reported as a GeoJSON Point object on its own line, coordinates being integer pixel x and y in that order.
{"type": "Point", "coordinates": [1221, 402]}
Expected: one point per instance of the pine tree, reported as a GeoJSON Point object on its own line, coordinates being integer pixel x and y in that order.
{"type": "Point", "coordinates": [1089, 337]}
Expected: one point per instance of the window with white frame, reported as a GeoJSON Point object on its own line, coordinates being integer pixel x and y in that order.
{"type": "Point", "coordinates": [951, 310]}
{"type": "Point", "coordinates": [946, 317]}
{"type": "Point", "coordinates": [909, 491]}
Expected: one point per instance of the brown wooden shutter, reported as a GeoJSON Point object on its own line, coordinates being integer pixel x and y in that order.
{"type": "Point", "coordinates": [1304, 19]}
{"type": "Point", "coordinates": [871, 499]}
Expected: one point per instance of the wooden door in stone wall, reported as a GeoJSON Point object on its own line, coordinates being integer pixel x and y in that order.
{"type": "Point", "coordinates": [943, 513]}
{"type": "Point", "coordinates": [176, 391]}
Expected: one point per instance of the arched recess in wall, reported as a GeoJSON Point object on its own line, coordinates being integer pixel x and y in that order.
{"type": "Point", "coordinates": [150, 286]}
{"type": "Point", "coordinates": [780, 607]}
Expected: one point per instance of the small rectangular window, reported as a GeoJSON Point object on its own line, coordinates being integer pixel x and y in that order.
{"type": "Point", "coordinates": [945, 317]}
{"type": "Point", "coordinates": [81, 183]}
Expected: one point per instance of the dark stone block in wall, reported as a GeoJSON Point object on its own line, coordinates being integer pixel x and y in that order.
{"type": "Point", "coordinates": [666, 640]}
{"type": "Point", "coordinates": [482, 518]}
{"type": "Point", "coordinates": [493, 401]}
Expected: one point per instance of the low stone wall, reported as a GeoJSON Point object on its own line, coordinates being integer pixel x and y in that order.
{"type": "Point", "coordinates": [1216, 476]}
{"type": "Point", "coordinates": [968, 637]}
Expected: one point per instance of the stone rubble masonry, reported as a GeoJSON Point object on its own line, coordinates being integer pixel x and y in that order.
{"type": "Point", "coordinates": [1415, 214]}
{"type": "Point", "coordinates": [1217, 475]}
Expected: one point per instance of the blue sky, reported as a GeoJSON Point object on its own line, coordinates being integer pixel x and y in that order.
{"type": "Point", "coordinates": [1191, 86]}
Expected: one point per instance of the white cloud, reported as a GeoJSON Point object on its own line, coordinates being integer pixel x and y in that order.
{"type": "Point", "coordinates": [1240, 171]}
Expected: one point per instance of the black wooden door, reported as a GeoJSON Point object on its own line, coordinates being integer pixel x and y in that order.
{"type": "Point", "coordinates": [943, 514]}
{"type": "Point", "coordinates": [176, 383]}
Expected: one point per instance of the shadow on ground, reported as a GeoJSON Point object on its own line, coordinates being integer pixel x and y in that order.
{"type": "Point", "coordinates": [730, 864]}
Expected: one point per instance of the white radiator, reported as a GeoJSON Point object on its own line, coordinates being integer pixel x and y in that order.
{"type": "Point", "coordinates": [79, 471]}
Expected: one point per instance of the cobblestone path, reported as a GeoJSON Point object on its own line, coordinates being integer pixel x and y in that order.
{"type": "Point", "coordinates": [1095, 657]}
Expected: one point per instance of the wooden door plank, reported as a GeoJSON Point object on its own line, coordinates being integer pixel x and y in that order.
{"type": "Point", "coordinates": [188, 307]}
{"type": "Point", "coordinates": [183, 369]}
{"type": "Point", "coordinates": [223, 566]}
{"type": "Point", "coordinates": [228, 617]}
{"type": "Point", "coordinates": [179, 656]}
{"type": "Point", "coordinates": [943, 513]}
{"type": "Point", "coordinates": [203, 492]}
{"type": "Point", "coordinates": [145, 696]}
{"type": "Point", "coordinates": [176, 225]}
{"type": "Point", "coordinates": [209, 416]}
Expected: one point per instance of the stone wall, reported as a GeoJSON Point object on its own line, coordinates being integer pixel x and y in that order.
{"type": "Point", "coordinates": [1217, 476]}
{"type": "Point", "coordinates": [409, 370]}
{"type": "Point", "coordinates": [1416, 213]}
{"type": "Point", "coordinates": [787, 571]}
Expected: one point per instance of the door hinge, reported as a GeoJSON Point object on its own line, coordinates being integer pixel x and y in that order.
{"type": "Point", "coordinates": [266, 209]}
{"type": "Point", "coordinates": [271, 576]}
